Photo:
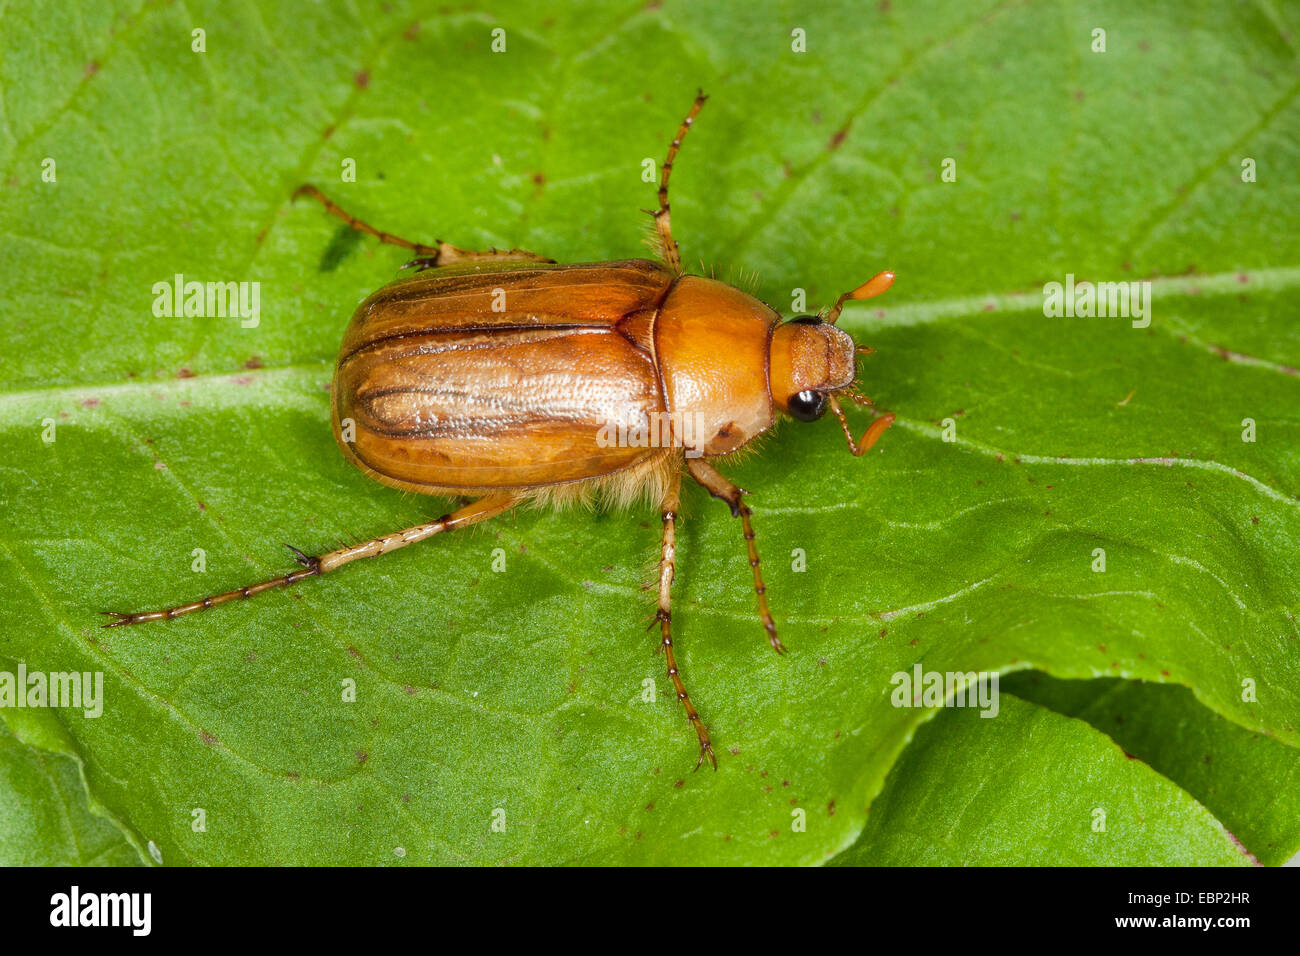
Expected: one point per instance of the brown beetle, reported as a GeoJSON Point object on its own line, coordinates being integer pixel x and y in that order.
{"type": "Point", "coordinates": [504, 376]}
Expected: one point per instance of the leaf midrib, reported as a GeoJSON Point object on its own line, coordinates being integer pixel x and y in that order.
{"type": "Point", "coordinates": [912, 314]}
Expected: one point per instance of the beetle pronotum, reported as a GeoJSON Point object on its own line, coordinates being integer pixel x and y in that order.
{"type": "Point", "coordinates": [499, 374]}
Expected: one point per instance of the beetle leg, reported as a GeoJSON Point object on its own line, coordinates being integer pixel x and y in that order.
{"type": "Point", "coordinates": [449, 255]}
{"type": "Point", "coordinates": [667, 568]}
{"type": "Point", "coordinates": [439, 254]}
{"type": "Point", "coordinates": [480, 510]}
{"type": "Point", "coordinates": [717, 484]}
{"type": "Point", "coordinates": [662, 216]}
{"type": "Point", "coordinates": [307, 189]}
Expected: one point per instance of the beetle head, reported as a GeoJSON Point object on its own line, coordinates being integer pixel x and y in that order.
{"type": "Point", "coordinates": [811, 360]}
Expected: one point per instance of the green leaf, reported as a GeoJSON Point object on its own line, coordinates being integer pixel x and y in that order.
{"type": "Point", "coordinates": [44, 816]}
{"type": "Point", "coordinates": [1032, 787]}
{"type": "Point", "coordinates": [1249, 781]}
{"type": "Point", "coordinates": [521, 691]}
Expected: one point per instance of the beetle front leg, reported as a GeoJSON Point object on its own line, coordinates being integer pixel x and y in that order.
{"type": "Point", "coordinates": [667, 568]}
{"type": "Point", "coordinates": [663, 216]}
{"type": "Point", "coordinates": [480, 510]}
{"type": "Point", "coordinates": [717, 484]}
{"type": "Point", "coordinates": [439, 254]}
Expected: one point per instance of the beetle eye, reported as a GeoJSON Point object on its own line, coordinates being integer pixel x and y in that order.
{"type": "Point", "coordinates": [807, 320]}
{"type": "Point", "coordinates": [807, 406]}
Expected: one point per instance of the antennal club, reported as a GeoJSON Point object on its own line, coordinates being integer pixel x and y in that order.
{"type": "Point", "coordinates": [868, 290]}
{"type": "Point", "coordinates": [869, 437]}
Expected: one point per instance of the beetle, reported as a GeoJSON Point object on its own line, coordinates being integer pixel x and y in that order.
{"type": "Point", "coordinates": [506, 377]}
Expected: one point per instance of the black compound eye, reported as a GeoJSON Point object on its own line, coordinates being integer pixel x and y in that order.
{"type": "Point", "coordinates": [806, 320]}
{"type": "Point", "coordinates": [807, 406]}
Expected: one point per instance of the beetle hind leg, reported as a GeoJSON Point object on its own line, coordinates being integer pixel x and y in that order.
{"type": "Point", "coordinates": [438, 254]}
{"type": "Point", "coordinates": [477, 511]}
{"type": "Point", "coordinates": [448, 255]}
{"type": "Point", "coordinates": [663, 215]}
{"type": "Point", "coordinates": [664, 616]}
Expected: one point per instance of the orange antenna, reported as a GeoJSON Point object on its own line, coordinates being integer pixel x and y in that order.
{"type": "Point", "coordinates": [869, 437]}
{"type": "Point", "coordinates": [868, 290]}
